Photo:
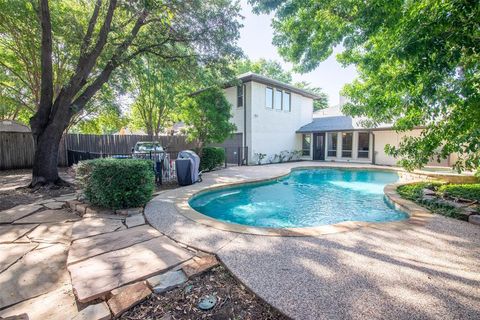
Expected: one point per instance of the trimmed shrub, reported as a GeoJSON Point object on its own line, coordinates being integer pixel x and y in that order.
{"type": "Point", "coordinates": [462, 191]}
{"type": "Point", "coordinates": [212, 157]}
{"type": "Point", "coordinates": [117, 183]}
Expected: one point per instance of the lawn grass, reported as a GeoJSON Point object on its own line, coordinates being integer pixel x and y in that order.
{"type": "Point", "coordinates": [414, 192]}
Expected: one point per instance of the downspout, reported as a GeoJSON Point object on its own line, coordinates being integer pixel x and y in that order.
{"type": "Point", "coordinates": [245, 150]}
{"type": "Point", "coordinates": [373, 147]}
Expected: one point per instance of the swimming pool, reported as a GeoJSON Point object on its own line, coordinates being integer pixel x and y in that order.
{"type": "Point", "coordinates": [304, 198]}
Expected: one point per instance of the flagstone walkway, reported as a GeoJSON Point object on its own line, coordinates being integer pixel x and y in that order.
{"type": "Point", "coordinates": [54, 264]}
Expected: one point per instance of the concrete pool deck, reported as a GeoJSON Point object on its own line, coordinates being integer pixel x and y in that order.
{"type": "Point", "coordinates": [426, 270]}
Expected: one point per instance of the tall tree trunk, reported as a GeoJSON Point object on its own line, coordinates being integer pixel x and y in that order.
{"type": "Point", "coordinates": [45, 166]}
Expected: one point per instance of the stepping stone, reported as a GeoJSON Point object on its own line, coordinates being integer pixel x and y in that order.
{"type": "Point", "coordinates": [85, 248]}
{"type": "Point", "coordinates": [135, 220]}
{"type": "Point", "coordinates": [66, 197]}
{"type": "Point", "coordinates": [127, 297]}
{"type": "Point", "coordinates": [40, 271]}
{"type": "Point", "coordinates": [11, 253]}
{"type": "Point", "coordinates": [199, 265]}
{"type": "Point", "coordinates": [98, 311]}
{"type": "Point", "coordinates": [475, 219]}
{"type": "Point", "coordinates": [129, 212]}
{"type": "Point", "coordinates": [94, 277]}
{"type": "Point", "coordinates": [44, 201]}
{"type": "Point", "coordinates": [54, 205]}
{"type": "Point", "coordinates": [167, 281]}
{"type": "Point", "coordinates": [52, 233]}
{"type": "Point", "coordinates": [10, 233]}
{"type": "Point", "coordinates": [47, 216]}
{"type": "Point", "coordinates": [18, 212]}
{"type": "Point", "coordinates": [55, 305]}
{"type": "Point", "coordinates": [92, 226]}
{"type": "Point", "coordinates": [95, 212]}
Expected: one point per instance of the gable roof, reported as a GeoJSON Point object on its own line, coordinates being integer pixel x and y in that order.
{"type": "Point", "coordinates": [251, 76]}
{"type": "Point", "coordinates": [337, 123]}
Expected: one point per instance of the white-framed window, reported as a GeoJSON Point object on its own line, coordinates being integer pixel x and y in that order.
{"type": "Point", "coordinates": [332, 144]}
{"type": "Point", "coordinates": [277, 102]}
{"type": "Point", "coordinates": [240, 96]}
{"type": "Point", "coordinates": [363, 144]}
{"type": "Point", "coordinates": [269, 98]}
{"type": "Point", "coordinates": [306, 142]}
{"type": "Point", "coordinates": [287, 101]}
{"type": "Point", "coordinates": [347, 144]}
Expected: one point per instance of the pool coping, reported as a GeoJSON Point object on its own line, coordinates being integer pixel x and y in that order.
{"type": "Point", "coordinates": [417, 214]}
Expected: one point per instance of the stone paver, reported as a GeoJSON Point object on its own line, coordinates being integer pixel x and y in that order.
{"type": "Point", "coordinates": [66, 197]}
{"type": "Point", "coordinates": [56, 305]}
{"type": "Point", "coordinates": [127, 297]}
{"type": "Point", "coordinates": [52, 233]}
{"type": "Point", "coordinates": [10, 253]}
{"type": "Point", "coordinates": [167, 281]}
{"type": "Point", "coordinates": [39, 271]}
{"type": "Point", "coordinates": [96, 276]}
{"type": "Point", "coordinates": [48, 216]}
{"type": "Point", "coordinates": [425, 271]}
{"type": "Point", "coordinates": [10, 233]}
{"type": "Point", "coordinates": [97, 311]}
{"type": "Point", "coordinates": [135, 220]}
{"type": "Point", "coordinates": [199, 265]}
{"type": "Point", "coordinates": [92, 226]}
{"type": "Point", "coordinates": [85, 248]}
{"type": "Point", "coordinates": [18, 212]}
{"type": "Point", "coordinates": [475, 219]}
{"type": "Point", "coordinates": [54, 205]}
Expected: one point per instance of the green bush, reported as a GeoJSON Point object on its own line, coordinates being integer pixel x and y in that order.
{"type": "Point", "coordinates": [414, 192]}
{"type": "Point", "coordinates": [117, 183]}
{"type": "Point", "coordinates": [212, 157]}
{"type": "Point", "coordinates": [463, 191]}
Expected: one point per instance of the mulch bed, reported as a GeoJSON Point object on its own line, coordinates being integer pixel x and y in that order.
{"type": "Point", "coordinates": [24, 195]}
{"type": "Point", "coordinates": [234, 301]}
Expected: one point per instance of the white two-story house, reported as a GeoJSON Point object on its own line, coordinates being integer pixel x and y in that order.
{"type": "Point", "coordinates": [273, 117]}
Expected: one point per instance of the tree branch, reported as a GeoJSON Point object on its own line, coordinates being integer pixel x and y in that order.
{"type": "Point", "coordinates": [46, 89]}
{"type": "Point", "coordinates": [91, 26]}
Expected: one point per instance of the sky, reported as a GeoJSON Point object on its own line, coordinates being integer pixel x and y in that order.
{"type": "Point", "coordinates": [256, 42]}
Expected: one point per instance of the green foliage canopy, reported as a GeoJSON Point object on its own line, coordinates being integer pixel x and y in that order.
{"type": "Point", "coordinates": [207, 116]}
{"type": "Point", "coordinates": [418, 64]}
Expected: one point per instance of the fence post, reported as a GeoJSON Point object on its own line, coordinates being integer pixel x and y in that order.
{"type": "Point", "coordinates": [225, 153]}
{"type": "Point", "coordinates": [239, 156]}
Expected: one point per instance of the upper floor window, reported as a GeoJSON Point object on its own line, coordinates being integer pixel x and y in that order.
{"type": "Point", "coordinates": [363, 144]}
{"type": "Point", "coordinates": [278, 99]}
{"type": "Point", "coordinates": [269, 98]}
{"type": "Point", "coordinates": [287, 101]}
{"type": "Point", "coordinates": [347, 143]}
{"type": "Point", "coordinates": [240, 96]}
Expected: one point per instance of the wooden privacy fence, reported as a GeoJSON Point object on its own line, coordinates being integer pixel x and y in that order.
{"type": "Point", "coordinates": [17, 148]}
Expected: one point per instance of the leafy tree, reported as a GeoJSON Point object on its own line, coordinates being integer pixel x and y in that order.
{"type": "Point", "coordinates": [418, 64]}
{"type": "Point", "coordinates": [207, 117]}
{"type": "Point", "coordinates": [158, 90]}
{"type": "Point", "coordinates": [320, 103]}
{"type": "Point", "coordinates": [101, 36]}
{"type": "Point", "coordinates": [268, 68]}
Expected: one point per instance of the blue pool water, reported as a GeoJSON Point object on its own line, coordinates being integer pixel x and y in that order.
{"type": "Point", "coordinates": [304, 198]}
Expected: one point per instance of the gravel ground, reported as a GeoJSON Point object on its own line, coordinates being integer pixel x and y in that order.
{"type": "Point", "coordinates": [389, 271]}
{"type": "Point", "coordinates": [233, 301]}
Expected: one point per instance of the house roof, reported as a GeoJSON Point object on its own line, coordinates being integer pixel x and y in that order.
{"type": "Point", "coordinates": [251, 76]}
{"type": "Point", "coordinates": [337, 123]}
{"type": "Point", "coordinates": [13, 126]}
